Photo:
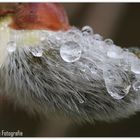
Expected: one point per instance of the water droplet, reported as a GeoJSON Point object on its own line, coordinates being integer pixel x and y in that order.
{"type": "Point", "coordinates": [136, 85]}
{"type": "Point", "coordinates": [11, 46]}
{"type": "Point", "coordinates": [87, 30]}
{"type": "Point", "coordinates": [70, 51]}
{"type": "Point", "coordinates": [117, 82]}
{"type": "Point", "coordinates": [135, 66]}
{"type": "Point", "coordinates": [73, 31]}
{"type": "Point", "coordinates": [115, 52]}
{"type": "Point", "coordinates": [38, 52]}
{"type": "Point", "coordinates": [97, 37]}
{"type": "Point", "coordinates": [108, 41]}
{"type": "Point", "coordinates": [73, 34]}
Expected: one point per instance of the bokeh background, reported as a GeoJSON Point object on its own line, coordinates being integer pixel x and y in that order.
{"type": "Point", "coordinates": [118, 21]}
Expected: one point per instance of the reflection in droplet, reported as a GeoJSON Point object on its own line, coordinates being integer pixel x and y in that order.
{"type": "Point", "coordinates": [70, 51]}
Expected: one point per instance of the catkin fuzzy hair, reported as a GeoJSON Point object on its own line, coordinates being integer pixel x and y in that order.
{"type": "Point", "coordinates": [75, 73]}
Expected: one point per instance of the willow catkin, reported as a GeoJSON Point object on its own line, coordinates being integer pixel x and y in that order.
{"type": "Point", "coordinates": [75, 73]}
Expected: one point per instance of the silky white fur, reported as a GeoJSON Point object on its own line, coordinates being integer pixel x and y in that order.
{"type": "Point", "coordinates": [49, 85]}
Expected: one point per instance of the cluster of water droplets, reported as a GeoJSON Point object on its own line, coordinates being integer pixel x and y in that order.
{"type": "Point", "coordinates": [103, 54]}
{"type": "Point", "coordinates": [114, 61]}
{"type": "Point", "coordinates": [18, 40]}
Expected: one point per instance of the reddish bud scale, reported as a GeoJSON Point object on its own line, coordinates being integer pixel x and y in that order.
{"type": "Point", "coordinates": [39, 16]}
{"type": "Point", "coordinates": [5, 12]}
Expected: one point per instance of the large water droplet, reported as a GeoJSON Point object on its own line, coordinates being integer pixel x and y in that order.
{"type": "Point", "coordinates": [37, 52]}
{"type": "Point", "coordinates": [70, 51]}
{"type": "Point", "coordinates": [136, 85]}
{"type": "Point", "coordinates": [117, 82]}
{"type": "Point", "coordinates": [87, 30]}
{"type": "Point", "coordinates": [11, 46]}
